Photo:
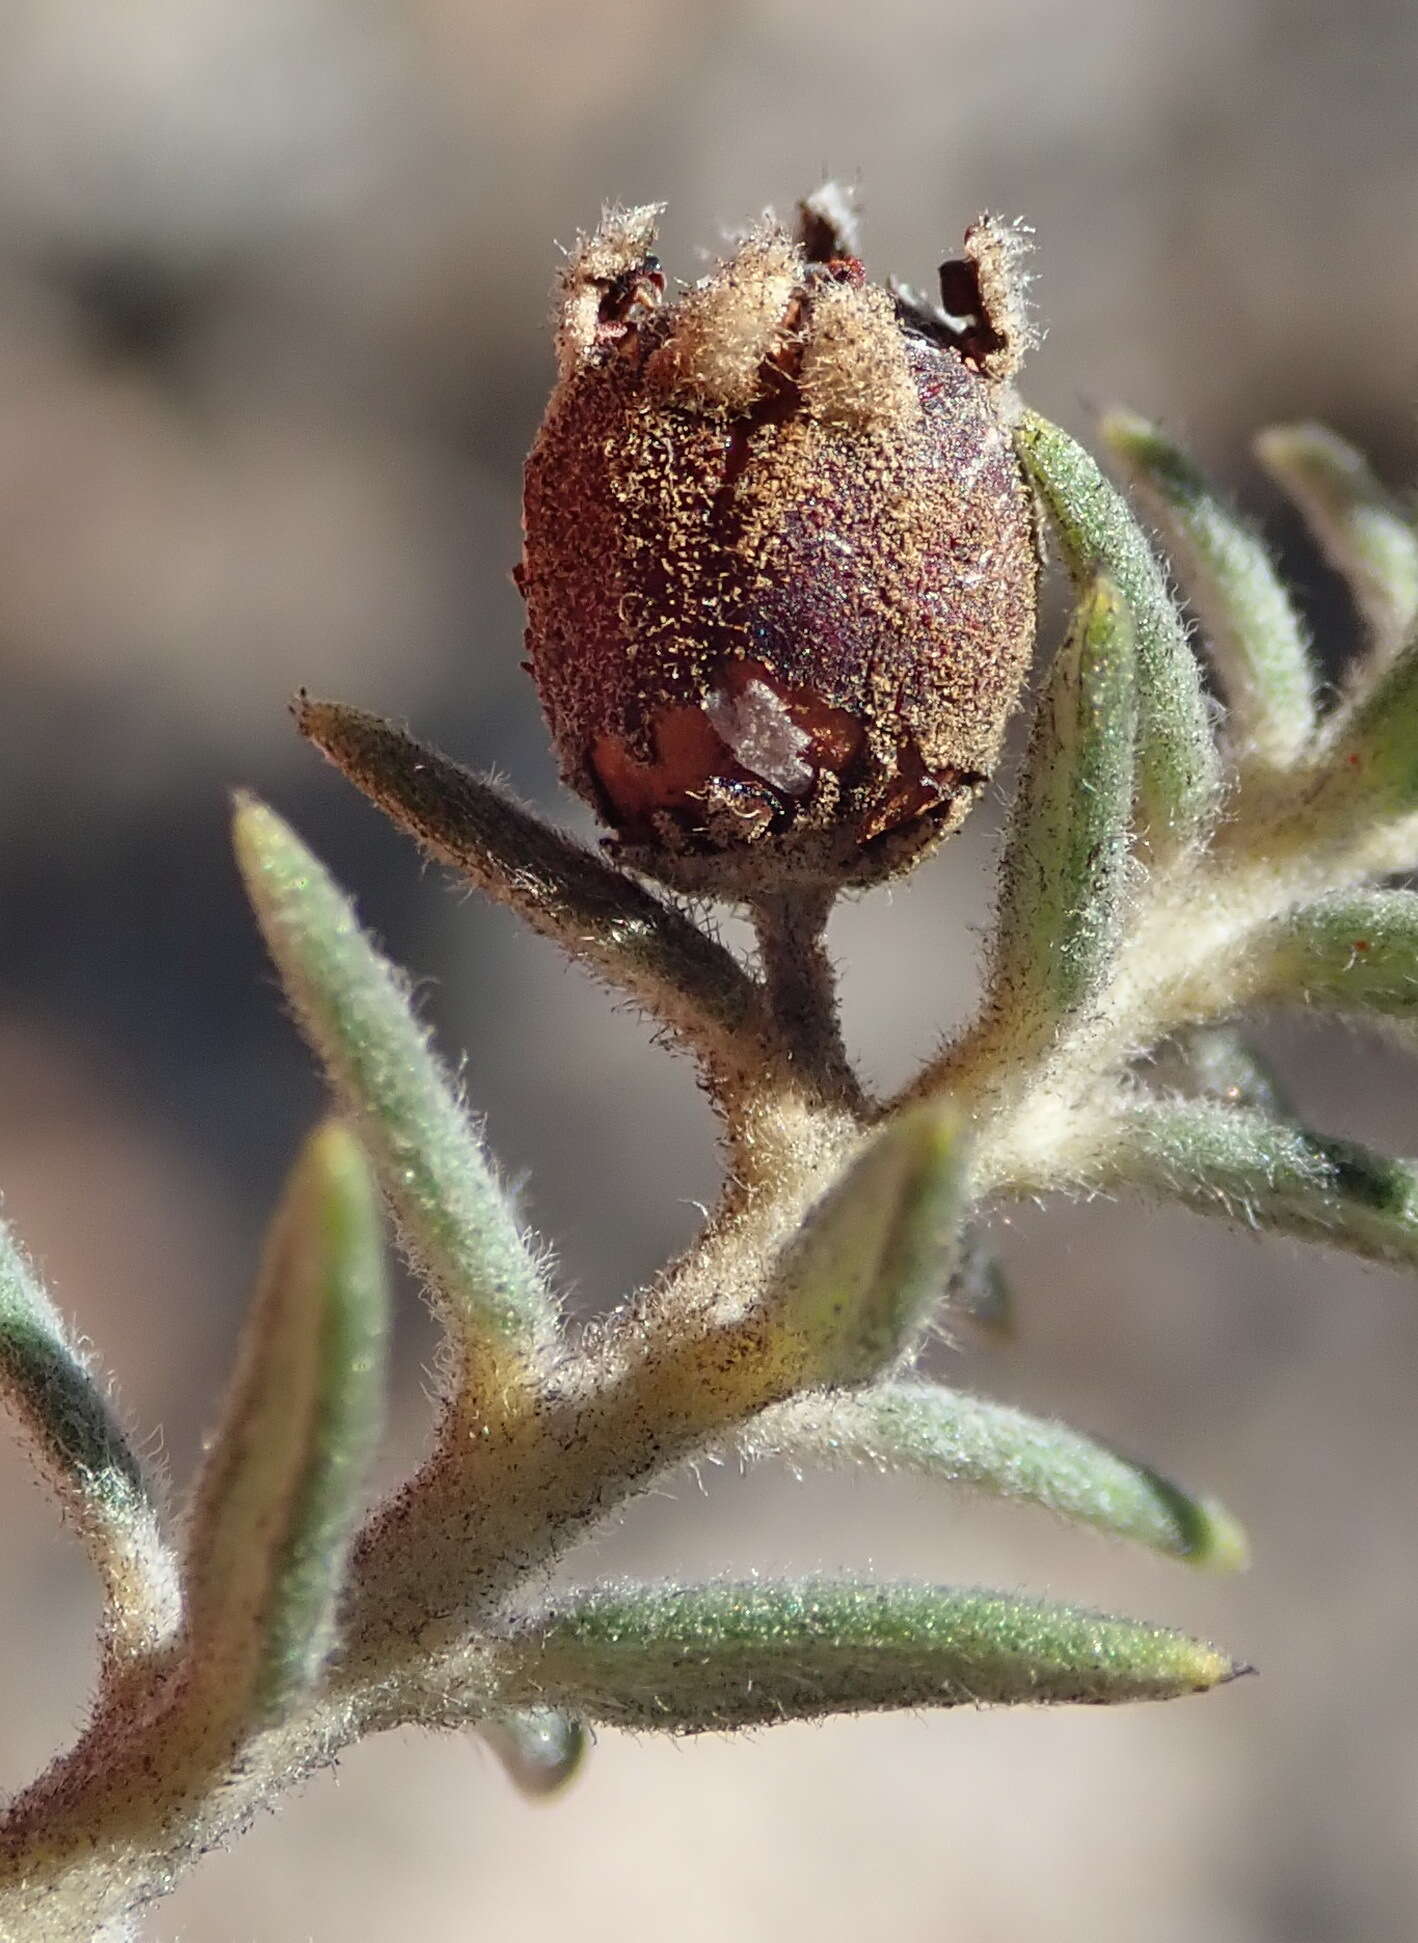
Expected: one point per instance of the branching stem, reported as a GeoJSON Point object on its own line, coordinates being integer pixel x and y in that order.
{"type": "Point", "coordinates": [808, 1286]}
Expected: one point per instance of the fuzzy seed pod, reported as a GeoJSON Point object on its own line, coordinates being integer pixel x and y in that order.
{"type": "Point", "coordinates": [780, 562]}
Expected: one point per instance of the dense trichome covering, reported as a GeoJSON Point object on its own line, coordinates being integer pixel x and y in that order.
{"type": "Point", "coordinates": [779, 563]}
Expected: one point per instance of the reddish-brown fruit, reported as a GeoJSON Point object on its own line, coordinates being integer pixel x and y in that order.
{"type": "Point", "coordinates": [780, 562]}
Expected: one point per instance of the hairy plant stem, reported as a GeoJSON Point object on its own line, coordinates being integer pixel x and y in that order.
{"type": "Point", "coordinates": [508, 1491]}
{"type": "Point", "coordinates": [1145, 901]}
{"type": "Point", "coordinates": [659, 1381]}
{"type": "Point", "coordinates": [508, 1488]}
{"type": "Point", "coordinates": [1182, 960]}
{"type": "Point", "coordinates": [485, 1514]}
{"type": "Point", "coordinates": [59, 1883]}
{"type": "Point", "coordinates": [801, 989]}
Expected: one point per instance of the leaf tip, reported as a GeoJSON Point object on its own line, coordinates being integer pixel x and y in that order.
{"type": "Point", "coordinates": [1123, 428]}
{"type": "Point", "coordinates": [1205, 1667]}
{"type": "Point", "coordinates": [1238, 1670]}
{"type": "Point", "coordinates": [255, 830]}
{"type": "Point", "coordinates": [1217, 1541]}
{"type": "Point", "coordinates": [335, 1165]}
{"type": "Point", "coordinates": [1103, 603]}
{"type": "Point", "coordinates": [333, 1151]}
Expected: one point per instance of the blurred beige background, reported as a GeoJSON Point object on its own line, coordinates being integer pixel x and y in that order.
{"type": "Point", "coordinates": [273, 287]}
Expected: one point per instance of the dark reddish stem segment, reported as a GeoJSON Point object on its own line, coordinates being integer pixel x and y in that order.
{"type": "Point", "coordinates": [801, 987]}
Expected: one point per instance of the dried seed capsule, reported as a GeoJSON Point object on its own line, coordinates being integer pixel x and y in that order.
{"type": "Point", "coordinates": [779, 563]}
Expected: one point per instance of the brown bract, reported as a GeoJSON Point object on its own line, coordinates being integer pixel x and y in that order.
{"type": "Point", "coordinates": [779, 563]}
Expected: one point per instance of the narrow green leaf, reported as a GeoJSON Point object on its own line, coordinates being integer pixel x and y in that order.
{"type": "Point", "coordinates": [1256, 637]}
{"type": "Point", "coordinates": [79, 1449]}
{"type": "Point", "coordinates": [541, 1749]}
{"type": "Point", "coordinates": [1063, 871]}
{"type": "Point", "coordinates": [858, 1281]}
{"type": "Point", "coordinates": [698, 1659]}
{"type": "Point", "coordinates": [958, 1439]}
{"type": "Point", "coordinates": [1216, 1062]}
{"type": "Point", "coordinates": [1370, 772]}
{"type": "Point", "coordinates": [1356, 953]}
{"type": "Point", "coordinates": [1268, 1173]}
{"type": "Point", "coordinates": [1178, 782]}
{"type": "Point", "coordinates": [638, 943]}
{"type": "Point", "coordinates": [453, 1217]}
{"type": "Point", "coordinates": [275, 1506]}
{"type": "Point", "coordinates": [978, 1287]}
{"type": "Point", "coordinates": [1362, 530]}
